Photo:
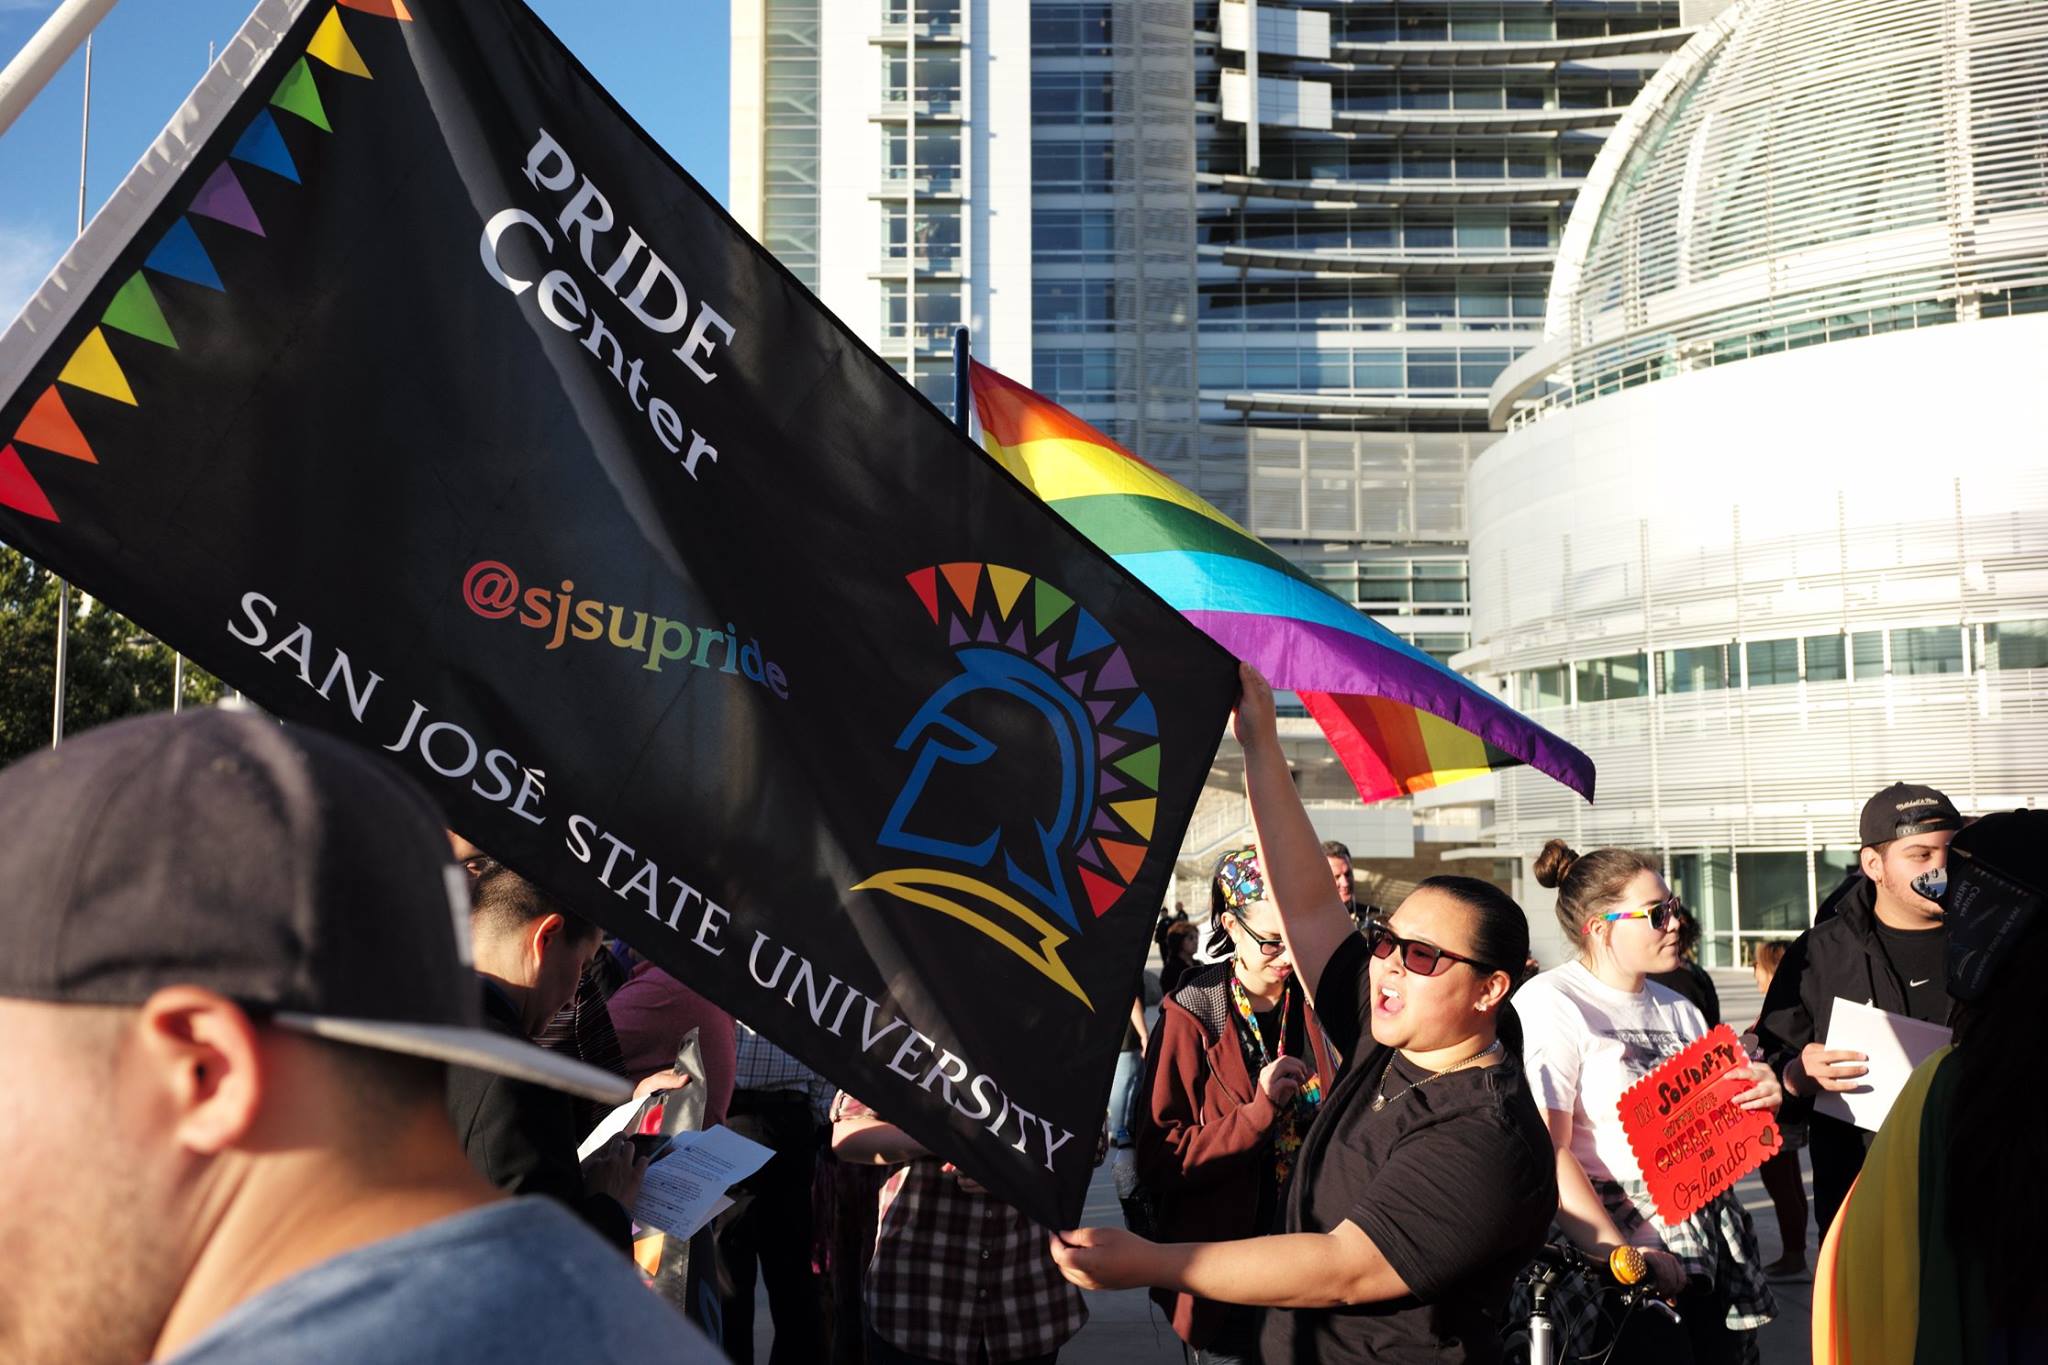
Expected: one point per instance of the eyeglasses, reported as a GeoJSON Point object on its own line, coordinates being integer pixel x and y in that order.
{"type": "Point", "coordinates": [1661, 916]}
{"type": "Point", "coordinates": [1423, 959]}
{"type": "Point", "coordinates": [1268, 947]}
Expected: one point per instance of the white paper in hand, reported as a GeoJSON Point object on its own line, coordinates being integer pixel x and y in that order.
{"type": "Point", "coordinates": [1895, 1044]}
{"type": "Point", "coordinates": [614, 1123]}
{"type": "Point", "coordinates": [686, 1188]}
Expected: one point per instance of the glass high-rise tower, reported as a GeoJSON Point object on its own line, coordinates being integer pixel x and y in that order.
{"type": "Point", "coordinates": [1381, 188]}
{"type": "Point", "coordinates": [1279, 250]}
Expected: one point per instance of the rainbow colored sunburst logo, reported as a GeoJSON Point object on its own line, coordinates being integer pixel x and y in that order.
{"type": "Point", "coordinates": [1046, 712]}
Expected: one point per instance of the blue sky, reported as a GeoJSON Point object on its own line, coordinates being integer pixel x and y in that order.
{"type": "Point", "coordinates": [664, 60]}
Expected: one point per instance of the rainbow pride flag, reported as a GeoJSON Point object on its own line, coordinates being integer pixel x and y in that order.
{"type": "Point", "coordinates": [1892, 1287]}
{"type": "Point", "coordinates": [1399, 721]}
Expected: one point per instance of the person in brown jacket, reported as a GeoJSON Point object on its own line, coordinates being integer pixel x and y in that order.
{"type": "Point", "coordinates": [1236, 1070]}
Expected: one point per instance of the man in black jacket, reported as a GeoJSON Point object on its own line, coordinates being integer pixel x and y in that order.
{"type": "Point", "coordinates": [523, 1137]}
{"type": "Point", "coordinates": [1883, 947]}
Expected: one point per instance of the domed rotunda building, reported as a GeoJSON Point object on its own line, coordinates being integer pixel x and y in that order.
{"type": "Point", "coordinates": [1768, 528]}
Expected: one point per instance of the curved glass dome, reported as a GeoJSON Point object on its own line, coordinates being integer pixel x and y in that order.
{"type": "Point", "coordinates": [1805, 171]}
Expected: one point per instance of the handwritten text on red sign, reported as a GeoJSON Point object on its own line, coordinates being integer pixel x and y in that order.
{"type": "Point", "coordinates": [1688, 1136]}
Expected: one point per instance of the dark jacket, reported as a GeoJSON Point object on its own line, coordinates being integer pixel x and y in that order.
{"type": "Point", "coordinates": [1839, 957]}
{"type": "Point", "coordinates": [523, 1137]}
{"type": "Point", "coordinates": [1831, 903]}
{"type": "Point", "coordinates": [1202, 1134]}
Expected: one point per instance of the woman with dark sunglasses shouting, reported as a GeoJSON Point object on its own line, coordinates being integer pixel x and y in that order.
{"type": "Point", "coordinates": [1237, 1070]}
{"type": "Point", "coordinates": [1594, 1027]}
{"type": "Point", "coordinates": [1427, 1179]}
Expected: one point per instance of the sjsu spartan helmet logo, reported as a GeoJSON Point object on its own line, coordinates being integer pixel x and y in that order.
{"type": "Point", "coordinates": [1045, 723]}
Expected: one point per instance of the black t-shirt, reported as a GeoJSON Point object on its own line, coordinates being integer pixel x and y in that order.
{"type": "Point", "coordinates": [1455, 1183]}
{"type": "Point", "coordinates": [1294, 1045]}
{"type": "Point", "coordinates": [1920, 958]}
{"type": "Point", "coordinates": [1131, 1043]}
{"type": "Point", "coordinates": [1266, 1038]}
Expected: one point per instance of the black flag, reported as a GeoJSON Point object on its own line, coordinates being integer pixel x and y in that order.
{"type": "Point", "coordinates": [408, 387]}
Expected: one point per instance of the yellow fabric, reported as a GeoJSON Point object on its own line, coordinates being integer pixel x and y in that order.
{"type": "Point", "coordinates": [331, 45]}
{"type": "Point", "coordinates": [92, 367]}
{"type": "Point", "coordinates": [1866, 1288]}
{"type": "Point", "coordinates": [1060, 469]}
{"type": "Point", "coordinates": [1454, 754]}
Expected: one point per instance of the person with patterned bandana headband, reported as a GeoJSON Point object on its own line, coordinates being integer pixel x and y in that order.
{"type": "Point", "coordinates": [1233, 1081]}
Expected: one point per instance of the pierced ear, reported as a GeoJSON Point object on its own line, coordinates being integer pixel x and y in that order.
{"type": "Point", "coordinates": [1498, 987]}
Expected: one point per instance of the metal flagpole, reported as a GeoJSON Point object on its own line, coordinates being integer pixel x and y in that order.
{"type": "Point", "coordinates": [963, 401]}
{"type": "Point", "coordinates": [63, 587]}
{"type": "Point", "coordinates": [42, 56]}
{"type": "Point", "coordinates": [177, 659]}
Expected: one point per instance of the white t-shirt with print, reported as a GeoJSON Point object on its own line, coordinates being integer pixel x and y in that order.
{"type": "Point", "coordinates": [1585, 1043]}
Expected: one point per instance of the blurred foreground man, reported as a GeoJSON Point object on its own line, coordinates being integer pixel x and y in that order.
{"type": "Point", "coordinates": [231, 972]}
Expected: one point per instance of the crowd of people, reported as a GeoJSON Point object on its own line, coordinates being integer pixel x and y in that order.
{"type": "Point", "coordinates": [1404, 1223]}
{"type": "Point", "coordinates": [285, 1091]}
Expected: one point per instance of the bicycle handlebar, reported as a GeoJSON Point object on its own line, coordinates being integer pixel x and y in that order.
{"type": "Point", "coordinates": [1624, 1268]}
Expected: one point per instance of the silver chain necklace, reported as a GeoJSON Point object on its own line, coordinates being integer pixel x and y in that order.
{"type": "Point", "coordinates": [1379, 1099]}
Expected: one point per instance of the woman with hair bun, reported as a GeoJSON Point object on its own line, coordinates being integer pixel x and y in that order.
{"type": "Point", "coordinates": [1593, 1028]}
{"type": "Point", "coordinates": [1426, 1180]}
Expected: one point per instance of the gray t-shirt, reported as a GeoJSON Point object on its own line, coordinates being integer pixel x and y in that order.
{"type": "Point", "coordinates": [518, 1280]}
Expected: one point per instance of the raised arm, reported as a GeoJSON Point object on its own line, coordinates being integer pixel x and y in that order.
{"type": "Point", "coordinates": [1312, 918]}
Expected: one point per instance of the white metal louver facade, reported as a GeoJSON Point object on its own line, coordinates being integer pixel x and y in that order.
{"type": "Point", "coordinates": [1804, 171]}
{"type": "Point", "coordinates": [1769, 527]}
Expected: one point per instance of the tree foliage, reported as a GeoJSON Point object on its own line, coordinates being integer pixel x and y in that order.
{"type": "Point", "coordinates": [115, 668]}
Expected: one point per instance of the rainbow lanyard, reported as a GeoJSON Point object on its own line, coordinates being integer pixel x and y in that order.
{"type": "Point", "coordinates": [1295, 1119]}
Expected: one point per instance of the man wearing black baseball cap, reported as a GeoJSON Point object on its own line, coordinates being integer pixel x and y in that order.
{"type": "Point", "coordinates": [1883, 947]}
{"type": "Point", "coordinates": [231, 973]}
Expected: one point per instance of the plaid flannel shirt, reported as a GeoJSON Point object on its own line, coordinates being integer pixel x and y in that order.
{"type": "Point", "coordinates": [760, 1065]}
{"type": "Point", "coordinates": [1717, 1242]}
{"type": "Point", "coordinates": [955, 1272]}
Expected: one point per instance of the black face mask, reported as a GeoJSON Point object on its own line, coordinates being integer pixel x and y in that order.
{"type": "Point", "coordinates": [1987, 913]}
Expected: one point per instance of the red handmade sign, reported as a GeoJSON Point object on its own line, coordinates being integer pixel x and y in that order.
{"type": "Point", "coordinates": [1689, 1138]}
